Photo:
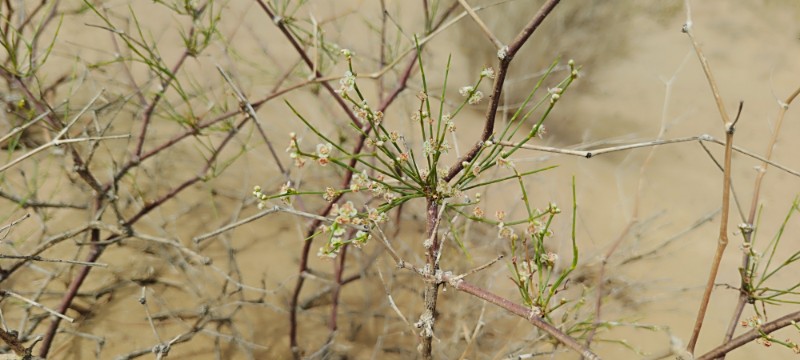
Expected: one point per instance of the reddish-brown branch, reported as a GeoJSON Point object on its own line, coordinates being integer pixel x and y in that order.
{"type": "Point", "coordinates": [743, 295]}
{"type": "Point", "coordinates": [302, 52]}
{"type": "Point", "coordinates": [525, 313]}
{"type": "Point", "coordinates": [722, 241]}
{"type": "Point", "coordinates": [304, 253]}
{"type": "Point", "coordinates": [148, 113]}
{"type": "Point", "coordinates": [200, 176]}
{"type": "Point", "coordinates": [338, 271]}
{"type": "Point", "coordinates": [195, 130]}
{"type": "Point", "coordinates": [431, 292]}
{"type": "Point", "coordinates": [499, 81]}
{"type": "Point", "coordinates": [312, 228]}
{"type": "Point", "coordinates": [97, 250]}
{"type": "Point", "coordinates": [751, 335]}
{"type": "Point", "coordinates": [74, 287]}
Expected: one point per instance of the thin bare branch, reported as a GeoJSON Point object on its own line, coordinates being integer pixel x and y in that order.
{"type": "Point", "coordinates": [36, 304]}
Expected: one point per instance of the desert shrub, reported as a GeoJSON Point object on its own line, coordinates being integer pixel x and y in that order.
{"type": "Point", "coordinates": [277, 179]}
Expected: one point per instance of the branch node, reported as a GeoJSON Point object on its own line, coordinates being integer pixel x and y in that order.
{"type": "Point", "coordinates": [502, 54]}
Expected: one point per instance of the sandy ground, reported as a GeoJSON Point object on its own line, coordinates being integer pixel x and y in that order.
{"type": "Point", "coordinates": [639, 75]}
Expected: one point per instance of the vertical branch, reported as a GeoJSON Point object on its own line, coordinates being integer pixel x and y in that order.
{"type": "Point", "coordinates": [304, 253]}
{"type": "Point", "coordinates": [75, 285]}
{"type": "Point", "coordinates": [722, 241]}
{"type": "Point", "coordinates": [762, 171]}
{"type": "Point", "coordinates": [382, 58]}
{"type": "Point", "coordinates": [431, 293]}
{"type": "Point", "coordinates": [338, 271]}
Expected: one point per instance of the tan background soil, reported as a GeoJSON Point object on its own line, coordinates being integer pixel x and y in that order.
{"type": "Point", "coordinates": [628, 50]}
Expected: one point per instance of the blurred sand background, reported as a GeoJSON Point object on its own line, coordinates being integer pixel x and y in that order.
{"type": "Point", "coordinates": [638, 74]}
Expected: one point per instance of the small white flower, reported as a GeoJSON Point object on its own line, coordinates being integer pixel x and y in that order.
{"type": "Point", "coordinates": [466, 90]}
{"type": "Point", "coordinates": [324, 150]}
{"type": "Point", "coordinates": [324, 253]}
{"type": "Point", "coordinates": [348, 210]}
{"type": "Point", "coordinates": [549, 259]}
{"type": "Point", "coordinates": [488, 72]}
{"type": "Point", "coordinates": [476, 97]}
{"type": "Point", "coordinates": [347, 82]}
{"type": "Point", "coordinates": [525, 270]}
{"type": "Point", "coordinates": [427, 148]}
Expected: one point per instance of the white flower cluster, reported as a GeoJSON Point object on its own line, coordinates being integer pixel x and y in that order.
{"type": "Point", "coordinates": [475, 96]}
{"type": "Point", "coordinates": [323, 152]}
{"type": "Point", "coordinates": [488, 72]}
{"type": "Point", "coordinates": [285, 195]}
{"type": "Point", "coordinates": [429, 147]}
{"type": "Point", "coordinates": [294, 150]}
{"type": "Point", "coordinates": [361, 181]}
{"type": "Point", "coordinates": [346, 83]}
{"type": "Point", "coordinates": [347, 215]}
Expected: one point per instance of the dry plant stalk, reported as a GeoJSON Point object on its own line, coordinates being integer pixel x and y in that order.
{"type": "Point", "coordinates": [722, 242]}
{"type": "Point", "coordinates": [118, 212]}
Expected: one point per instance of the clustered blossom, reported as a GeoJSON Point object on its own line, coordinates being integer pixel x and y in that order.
{"type": "Point", "coordinates": [475, 96]}
{"type": "Point", "coordinates": [377, 217]}
{"type": "Point", "coordinates": [539, 130]}
{"type": "Point", "coordinates": [418, 116]}
{"type": "Point", "coordinates": [285, 195]}
{"type": "Point", "coordinates": [260, 196]}
{"type": "Point", "coordinates": [344, 213]}
{"type": "Point", "coordinates": [403, 157]}
{"type": "Point", "coordinates": [330, 194]}
{"type": "Point", "coordinates": [537, 229]}
{"type": "Point", "coordinates": [429, 147]}
{"type": "Point", "coordinates": [347, 215]}
{"type": "Point", "coordinates": [445, 189]}
{"type": "Point", "coordinates": [346, 83]}
{"type": "Point", "coordinates": [553, 209]}
{"type": "Point", "coordinates": [505, 163]}
{"type": "Point", "coordinates": [549, 259]}
{"type": "Point", "coordinates": [448, 123]}
{"type": "Point", "coordinates": [754, 322]}
{"type": "Point", "coordinates": [294, 150]}
{"type": "Point", "coordinates": [506, 232]}
{"type": "Point", "coordinates": [323, 152]}
{"type": "Point", "coordinates": [361, 181]}
{"type": "Point", "coordinates": [525, 270]}
{"type": "Point", "coordinates": [364, 113]}
{"type": "Point", "coordinates": [555, 94]}
{"type": "Point", "coordinates": [574, 72]}
{"type": "Point", "coordinates": [488, 72]}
